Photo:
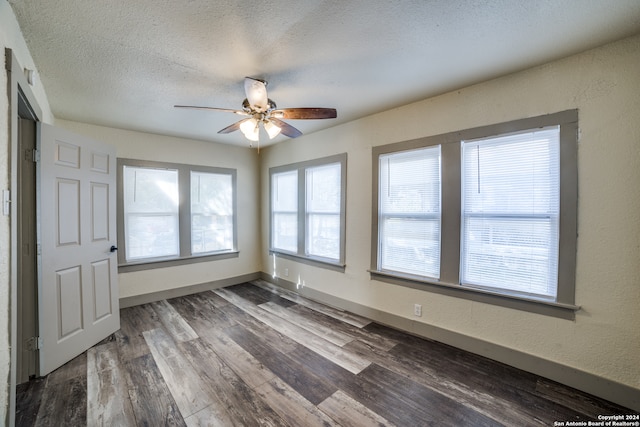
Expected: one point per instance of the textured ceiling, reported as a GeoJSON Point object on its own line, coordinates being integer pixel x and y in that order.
{"type": "Point", "coordinates": [125, 63]}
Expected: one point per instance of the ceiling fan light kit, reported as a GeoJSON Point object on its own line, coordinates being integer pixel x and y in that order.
{"type": "Point", "coordinates": [272, 129]}
{"type": "Point", "coordinates": [263, 110]}
{"type": "Point", "coordinates": [250, 129]}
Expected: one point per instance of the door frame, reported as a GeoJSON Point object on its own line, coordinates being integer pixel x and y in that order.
{"type": "Point", "coordinates": [27, 359]}
{"type": "Point", "coordinates": [21, 102]}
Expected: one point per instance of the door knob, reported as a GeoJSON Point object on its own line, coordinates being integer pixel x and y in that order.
{"type": "Point", "coordinates": [113, 248]}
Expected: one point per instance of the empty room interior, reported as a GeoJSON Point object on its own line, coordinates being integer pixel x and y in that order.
{"type": "Point", "coordinates": [320, 213]}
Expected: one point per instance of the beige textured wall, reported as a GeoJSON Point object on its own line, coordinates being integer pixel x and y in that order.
{"type": "Point", "coordinates": [145, 146]}
{"type": "Point", "coordinates": [604, 84]}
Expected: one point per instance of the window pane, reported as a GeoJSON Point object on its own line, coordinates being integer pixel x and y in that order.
{"type": "Point", "coordinates": [285, 191]}
{"type": "Point", "coordinates": [410, 182]}
{"type": "Point", "coordinates": [409, 212]}
{"type": "Point", "coordinates": [151, 236]}
{"type": "Point", "coordinates": [151, 212]}
{"type": "Point", "coordinates": [323, 211]}
{"type": "Point", "coordinates": [284, 203]}
{"type": "Point", "coordinates": [323, 235]}
{"type": "Point", "coordinates": [211, 212]}
{"type": "Point", "coordinates": [510, 203]}
{"type": "Point", "coordinates": [286, 237]}
{"type": "Point", "coordinates": [323, 188]}
{"type": "Point", "coordinates": [510, 254]}
{"type": "Point", "coordinates": [410, 246]}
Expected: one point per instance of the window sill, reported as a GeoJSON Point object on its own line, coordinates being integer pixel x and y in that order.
{"type": "Point", "coordinates": [313, 261]}
{"type": "Point", "coordinates": [150, 265]}
{"type": "Point", "coordinates": [519, 302]}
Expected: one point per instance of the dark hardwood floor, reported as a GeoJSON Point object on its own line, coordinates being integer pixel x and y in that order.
{"type": "Point", "coordinates": [253, 355]}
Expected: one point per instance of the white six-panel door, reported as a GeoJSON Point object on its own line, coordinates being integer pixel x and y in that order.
{"type": "Point", "coordinates": [78, 288]}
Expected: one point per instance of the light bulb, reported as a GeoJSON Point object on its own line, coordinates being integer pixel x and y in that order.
{"type": "Point", "coordinates": [250, 129]}
{"type": "Point", "coordinates": [272, 129]}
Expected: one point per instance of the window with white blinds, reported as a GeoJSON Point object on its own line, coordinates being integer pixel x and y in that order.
{"type": "Point", "coordinates": [284, 203]}
{"type": "Point", "coordinates": [170, 212]}
{"type": "Point", "coordinates": [151, 212]}
{"type": "Point", "coordinates": [211, 212]}
{"type": "Point", "coordinates": [409, 212]}
{"type": "Point", "coordinates": [323, 211]}
{"type": "Point", "coordinates": [510, 212]}
{"type": "Point", "coordinates": [487, 214]}
{"type": "Point", "coordinates": [307, 209]}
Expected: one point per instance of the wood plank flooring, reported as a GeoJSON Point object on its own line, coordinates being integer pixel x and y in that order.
{"type": "Point", "coordinates": [256, 355]}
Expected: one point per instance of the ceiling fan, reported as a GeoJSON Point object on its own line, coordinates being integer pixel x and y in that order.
{"type": "Point", "coordinates": [260, 109]}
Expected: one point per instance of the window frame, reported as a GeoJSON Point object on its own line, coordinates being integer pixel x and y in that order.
{"type": "Point", "coordinates": [184, 216]}
{"type": "Point", "coordinates": [450, 257]}
{"type": "Point", "coordinates": [300, 254]}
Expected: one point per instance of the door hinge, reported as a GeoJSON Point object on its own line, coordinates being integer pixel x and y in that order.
{"type": "Point", "coordinates": [6, 202]}
{"type": "Point", "coordinates": [32, 155]}
{"type": "Point", "coordinates": [34, 343]}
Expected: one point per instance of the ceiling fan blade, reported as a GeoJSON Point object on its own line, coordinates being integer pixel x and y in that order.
{"type": "Point", "coordinates": [256, 91]}
{"type": "Point", "coordinates": [285, 128]}
{"type": "Point", "coordinates": [234, 127]}
{"type": "Point", "coordinates": [305, 113]}
{"type": "Point", "coordinates": [227, 110]}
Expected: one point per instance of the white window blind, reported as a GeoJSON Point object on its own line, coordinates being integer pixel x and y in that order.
{"type": "Point", "coordinates": [150, 212]}
{"type": "Point", "coordinates": [285, 210]}
{"type": "Point", "coordinates": [409, 212]}
{"type": "Point", "coordinates": [323, 211]}
{"type": "Point", "coordinates": [510, 212]}
{"type": "Point", "coordinates": [211, 212]}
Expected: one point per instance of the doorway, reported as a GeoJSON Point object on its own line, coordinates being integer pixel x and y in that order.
{"type": "Point", "coordinates": [27, 292]}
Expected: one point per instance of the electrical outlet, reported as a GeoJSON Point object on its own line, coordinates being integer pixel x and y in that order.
{"type": "Point", "coordinates": [286, 272]}
{"type": "Point", "coordinates": [417, 310]}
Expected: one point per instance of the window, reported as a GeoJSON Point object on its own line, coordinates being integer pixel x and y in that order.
{"type": "Point", "coordinates": [307, 210]}
{"type": "Point", "coordinates": [211, 212]}
{"type": "Point", "coordinates": [174, 213]}
{"type": "Point", "coordinates": [409, 207]}
{"type": "Point", "coordinates": [487, 214]}
{"type": "Point", "coordinates": [284, 214]}
{"type": "Point", "coordinates": [323, 211]}
{"type": "Point", "coordinates": [151, 213]}
{"type": "Point", "coordinates": [510, 212]}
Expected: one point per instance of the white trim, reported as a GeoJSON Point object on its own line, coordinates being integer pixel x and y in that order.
{"type": "Point", "coordinates": [17, 84]}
